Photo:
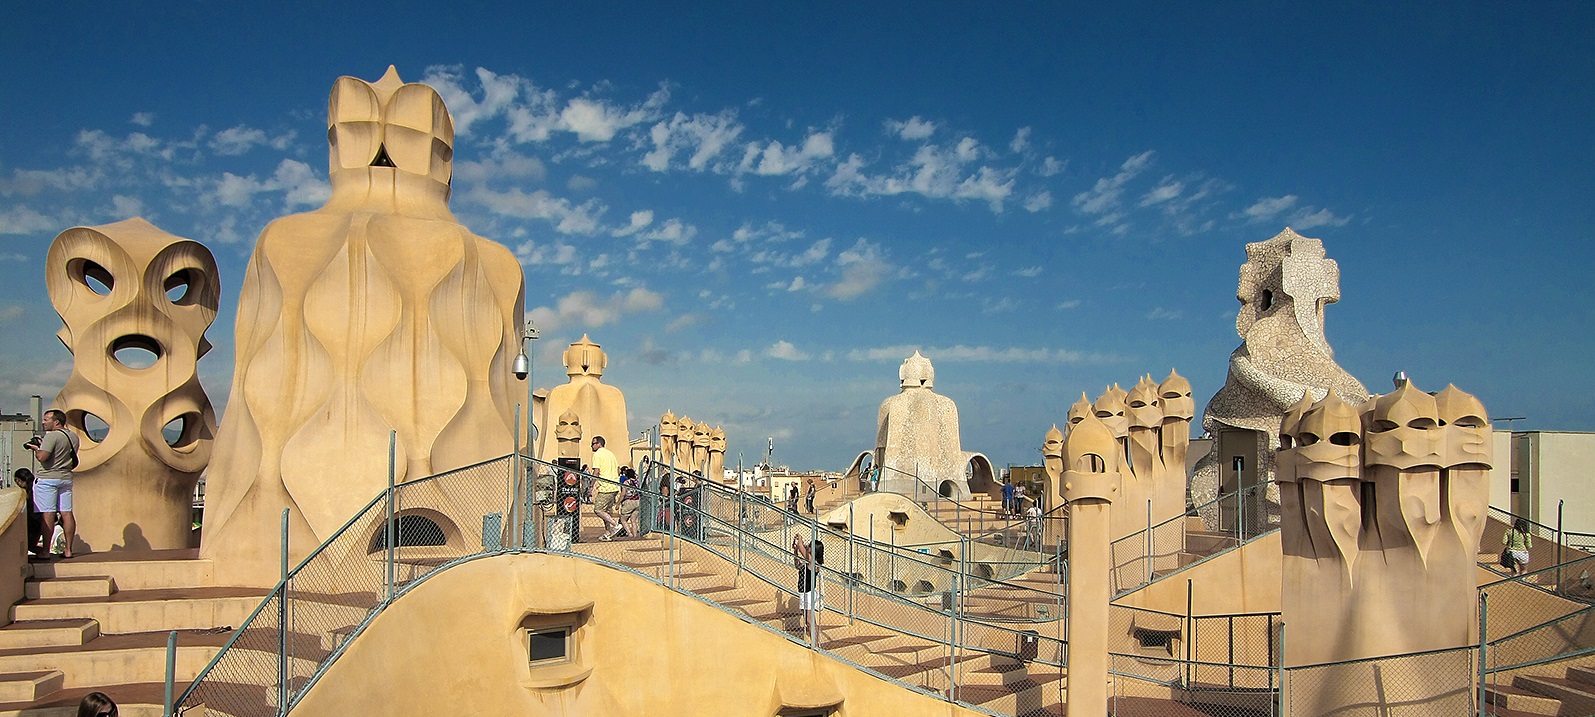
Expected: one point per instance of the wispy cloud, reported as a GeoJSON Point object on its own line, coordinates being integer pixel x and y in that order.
{"type": "Point", "coordinates": [588, 310]}
{"type": "Point", "coordinates": [963, 353]}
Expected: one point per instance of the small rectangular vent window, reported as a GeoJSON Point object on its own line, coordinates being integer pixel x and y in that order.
{"type": "Point", "coordinates": [548, 646]}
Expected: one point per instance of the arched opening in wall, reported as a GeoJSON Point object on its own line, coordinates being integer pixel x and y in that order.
{"type": "Point", "coordinates": [180, 287]}
{"type": "Point", "coordinates": [97, 278]}
{"type": "Point", "coordinates": [89, 424]}
{"type": "Point", "coordinates": [947, 489]}
{"type": "Point", "coordinates": [136, 351]}
{"type": "Point", "coordinates": [982, 477]}
{"type": "Point", "coordinates": [411, 530]}
{"type": "Point", "coordinates": [183, 431]}
{"type": "Point", "coordinates": [1266, 302]}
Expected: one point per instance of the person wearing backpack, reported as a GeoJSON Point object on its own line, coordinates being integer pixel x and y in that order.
{"type": "Point", "coordinates": [57, 451]}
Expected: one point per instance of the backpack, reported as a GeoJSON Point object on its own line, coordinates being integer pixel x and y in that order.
{"type": "Point", "coordinates": [819, 552]}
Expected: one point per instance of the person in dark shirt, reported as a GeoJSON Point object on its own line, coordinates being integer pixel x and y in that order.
{"type": "Point", "coordinates": [24, 480]}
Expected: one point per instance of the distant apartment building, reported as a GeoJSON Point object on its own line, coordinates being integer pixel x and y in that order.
{"type": "Point", "coordinates": [15, 430]}
{"type": "Point", "coordinates": [1536, 469]}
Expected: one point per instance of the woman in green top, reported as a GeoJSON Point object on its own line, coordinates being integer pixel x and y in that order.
{"type": "Point", "coordinates": [1518, 542]}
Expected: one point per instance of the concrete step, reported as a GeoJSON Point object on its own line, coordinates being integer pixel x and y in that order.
{"type": "Point", "coordinates": [1576, 697]}
{"type": "Point", "coordinates": [148, 610]}
{"type": "Point", "coordinates": [1521, 700]}
{"type": "Point", "coordinates": [29, 686]}
{"type": "Point", "coordinates": [35, 634]}
{"type": "Point", "coordinates": [158, 569]}
{"type": "Point", "coordinates": [84, 587]}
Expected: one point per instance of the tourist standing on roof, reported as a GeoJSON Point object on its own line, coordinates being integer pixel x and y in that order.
{"type": "Point", "coordinates": [606, 488]}
{"type": "Point", "coordinates": [57, 451]}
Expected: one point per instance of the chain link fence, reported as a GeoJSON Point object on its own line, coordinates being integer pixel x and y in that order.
{"type": "Point", "coordinates": [1438, 682]}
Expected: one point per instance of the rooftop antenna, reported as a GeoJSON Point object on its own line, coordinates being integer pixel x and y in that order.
{"type": "Point", "coordinates": [1400, 379]}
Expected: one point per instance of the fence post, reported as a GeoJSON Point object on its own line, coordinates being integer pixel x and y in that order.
{"type": "Point", "coordinates": [742, 517]}
{"type": "Point", "coordinates": [816, 578]}
{"type": "Point", "coordinates": [671, 559]}
{"type": "Point", "coordinates": [1283, 692]}
{"type": "Point", "coordinates": [872, 549]}
{"type": "Point", "coordinates": [1484, 644]}
{"type": "Point", "coordinates": [1559, 537]}
{"type": "Point", "coordinates": [392, 528]}
{"type": "Point", "coordinates": [852, 575]}
{"type": "Point", "coordinates": [1146, 562]}
{"type": "Point", "coordinates": [516, 471]}
{"type": "Point", "coordinates": [171, 671]}
{"type": "Point", "coordinates": [282, 624]}
{"type": "Point", "coordinates": [1190, 630]}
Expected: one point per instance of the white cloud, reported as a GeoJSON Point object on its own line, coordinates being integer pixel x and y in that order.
{"type": "Point", "coordinates": [142, 119]}
{"type": "Point", "coordinates": [567, 217]}
{"type": "Point", "coordinates": [683, 321]}
{"type": "Point", "coordinates": [1269, 207]}
{"type": "Point", "coordinates": [704, 136]}
{"type": "Point", "coordinates": [1104, 198]}
{"type": "Point", "coordinates": [935, 171]}
{"type": "Point", "coordinates": [980, 354]}
{"type": "Point", "coordinates": [1029, 272]}
{"type": "Point", "coordinates": [1021, 140]}
{"type": "Point", "coordinates": [777, 159]}
{"type": "Point", "coordinates": [863, 268]}
{"type": "Point", "coordinates": [673, 231]}
{"type": "Point", "coordinates": [1052, 166]}
{"type": "Point", "coordinates": [1165, 190]}
{"type": "Point", "coordinates": [639, 220]}
{"type": "Point", "coordinates": [912, 129]}
{"type": "Point", "coordinates": [501, 163]}
{"type": "Point", "coordinates": [1070, 304]}
{"type": "Point", "coordinates": [26, 220]}
{"type": "Point", "coordinates": [238, 140]}
{"type": "Point", "coordinates": [597, 120]}
{"type": "Point", "coordinates": [531, 253]}
{"type": "Point", "coordinates": [497, 94]}
{"type": "Point", "coordinates": [785, 351]}
{"type": "Point", "coordinates": [11, 312]}
{"type": "Point", "coordinates": [1039, 201]}
{"type": "Point", "coordinates": [586, 310]}
{"type": "Point", "coordinates": [1304, 217]}
{"type": "Point", "coordinates": [1162, 314]}
{"type": "Point", "coordinates": [123, 206]}
{"type": "Point", "coordinates": [1307, 219]}
{"type": "Point", "coordinates": [299, 184]}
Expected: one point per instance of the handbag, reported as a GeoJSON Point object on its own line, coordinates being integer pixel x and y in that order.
{"type": "Point", "coordinates": [1506, 558]}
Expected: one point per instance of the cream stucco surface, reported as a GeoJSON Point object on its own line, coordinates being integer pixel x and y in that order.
{"type": "Point", "coordinates": [456, 646]}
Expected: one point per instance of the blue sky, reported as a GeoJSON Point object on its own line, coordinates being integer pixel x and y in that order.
{"type": "Point", "coordinates": [760, 211]}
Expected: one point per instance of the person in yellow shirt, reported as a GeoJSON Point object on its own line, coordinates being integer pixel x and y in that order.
{"type": "Point", "coordinates": [606, 489]}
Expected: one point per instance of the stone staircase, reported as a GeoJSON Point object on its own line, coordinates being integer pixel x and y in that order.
{"type": "Point", "coordinates": [1562, 689]}
{"type": "Point", "coordinates": [100, 622]}
{"type": "Point", "coordinates": [999, 683]}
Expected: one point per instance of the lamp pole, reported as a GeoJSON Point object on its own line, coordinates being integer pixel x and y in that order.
{"type": "Point", "coordinates": [523, 369]}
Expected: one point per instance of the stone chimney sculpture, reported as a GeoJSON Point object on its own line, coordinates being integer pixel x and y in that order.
{"type": "Point", "coordinates": [917, 441]}
{"type": "Point", "coordinates": [1091, 485]}
{"type": "Point", "coordinates": [377, 312]}
{"type": "Point", "coordinates": [717, 455]}
{"type": "Point", "coordinates": [1284, 286]}
{"type": "Point", "coordinates": [135, 484]}
{"type": "Point", "coordinates": [669, 428]}
{"type": "Point", "coordinates": [602, 407]}
{"type": "Point", "coordinates": [1382, 509]}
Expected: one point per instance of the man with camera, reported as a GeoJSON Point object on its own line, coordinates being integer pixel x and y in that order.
{"type": "Point", "coordinates": [57, 451]}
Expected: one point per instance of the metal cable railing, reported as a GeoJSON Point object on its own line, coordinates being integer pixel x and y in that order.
{"type": "Point", "coordinates": [1169, 546]}
{"type": "Point", "coordinates": [418, 528]}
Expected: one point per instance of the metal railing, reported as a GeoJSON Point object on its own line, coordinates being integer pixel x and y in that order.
{"type": "Point", "coordinates": [415, 529]}
{"type": "Point", "coordinates": [1170, 546]}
